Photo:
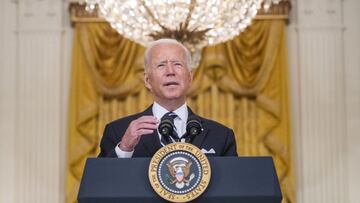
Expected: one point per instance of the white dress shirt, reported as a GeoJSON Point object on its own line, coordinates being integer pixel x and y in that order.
{"type": "Point", "coordinates": [159, 111]}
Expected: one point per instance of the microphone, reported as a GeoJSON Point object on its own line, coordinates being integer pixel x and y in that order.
{"type": "Point", "coordinates": [166, 127]}
{"type": "Point", "coordinates": [193, 127]}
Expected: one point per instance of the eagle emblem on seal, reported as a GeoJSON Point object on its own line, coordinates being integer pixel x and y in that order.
{"type": "Point", "coordinates": [179, 169]}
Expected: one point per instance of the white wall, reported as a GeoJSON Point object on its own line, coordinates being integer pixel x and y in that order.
{"type": "Point", "coordinates": [352, 75]}
{"type": "Point", "coordinates": [324, 72]}
{"type": "Point", "coordinates": [8, 43]}
{"type": "Point", "coordinates": [35, 55]}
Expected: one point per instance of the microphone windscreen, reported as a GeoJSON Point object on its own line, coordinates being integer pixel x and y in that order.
{"type": "Point", "coordinates": [166, 126]}
{"type": "Point", "coordinates": [193, 126]}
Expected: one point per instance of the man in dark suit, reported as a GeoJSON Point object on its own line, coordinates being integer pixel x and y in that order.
{"type": "Point", "coordinates": [168, 76]}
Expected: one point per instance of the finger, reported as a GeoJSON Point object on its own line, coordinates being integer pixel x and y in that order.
{"type": "Point", "coordinates": [147, 119]}
{"type": "Point", "coordinates": [149, 126]}
{"type": "Point", "coordinates": [151, 117]}
{"type": "Point", "coordinates": [144, 132]}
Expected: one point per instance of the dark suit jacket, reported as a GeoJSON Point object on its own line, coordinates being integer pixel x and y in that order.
{"type": "Point", "coordinates": [214, 136]}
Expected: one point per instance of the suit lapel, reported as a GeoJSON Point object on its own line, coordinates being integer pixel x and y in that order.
{"type": "Point", "coordinates": [199, 139]}
{"type": "Point", "coordinates": [151, 142]}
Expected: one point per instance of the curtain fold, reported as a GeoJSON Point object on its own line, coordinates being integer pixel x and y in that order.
{"type": "Point", "coordinates": [241, 83]}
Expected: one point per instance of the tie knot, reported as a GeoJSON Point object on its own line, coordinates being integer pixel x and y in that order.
{"type": "Point", "coordinates": [171, 115]}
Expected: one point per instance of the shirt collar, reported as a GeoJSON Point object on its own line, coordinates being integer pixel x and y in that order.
{"type": "Point", "coordinates": [181, 112]}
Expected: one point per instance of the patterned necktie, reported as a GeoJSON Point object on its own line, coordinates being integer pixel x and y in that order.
{"type": "Point", "coordinates": [173, 136]}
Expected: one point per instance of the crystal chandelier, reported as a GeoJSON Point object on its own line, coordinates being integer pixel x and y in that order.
{"type": "Point", "coordinates": [195, 23]}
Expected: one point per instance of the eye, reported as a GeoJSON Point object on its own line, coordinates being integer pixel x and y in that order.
{"type": "Point", "coordinates": [160, 65]}
{"type": "Point", "coordinates": [178, 64]}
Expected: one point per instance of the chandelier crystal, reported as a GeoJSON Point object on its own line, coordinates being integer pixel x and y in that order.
{"type": "Point", "coordinates": [195, 23]}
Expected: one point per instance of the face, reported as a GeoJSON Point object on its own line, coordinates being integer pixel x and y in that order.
{"type": "Point", "coordinates": [168, 76]}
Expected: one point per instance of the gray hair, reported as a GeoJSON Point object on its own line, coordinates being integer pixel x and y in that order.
{"type": "Point", "coordinates": [164, 41]}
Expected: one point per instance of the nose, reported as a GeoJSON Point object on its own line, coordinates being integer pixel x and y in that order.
{"type": "Point", "coordinates": [170, 69]}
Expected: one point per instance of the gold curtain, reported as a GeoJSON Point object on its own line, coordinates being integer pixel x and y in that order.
{"type": "Point", "coordinates": [241, 83]}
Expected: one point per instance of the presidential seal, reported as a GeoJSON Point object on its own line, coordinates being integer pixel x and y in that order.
{"type": "Point", "coordinates": [179, 172]}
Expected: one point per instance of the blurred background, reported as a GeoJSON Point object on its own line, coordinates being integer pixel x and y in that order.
{"type": "Point", "coordinates": [289, 86]}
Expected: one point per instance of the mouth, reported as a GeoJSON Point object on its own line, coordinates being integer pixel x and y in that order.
{"type": "Point", "coordinates": [170, 84]}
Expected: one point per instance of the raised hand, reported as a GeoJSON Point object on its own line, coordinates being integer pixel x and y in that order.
{"type": "Point", "coordinates": [142, 126]}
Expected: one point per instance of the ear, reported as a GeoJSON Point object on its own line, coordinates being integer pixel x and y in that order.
{"type": "Point", "coordinates": [147, 81]}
